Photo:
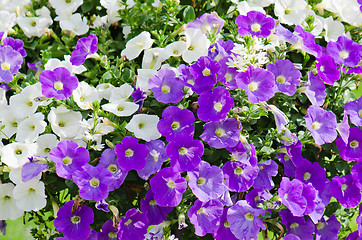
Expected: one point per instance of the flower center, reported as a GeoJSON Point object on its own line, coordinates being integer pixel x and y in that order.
{"type": "Point", "coordinates": [175, 125]}
{"type": "Point", "coordinates": [153, 202]}
{"type": "Point", "coordinates": [140, 125]}
{"type": "Point", "coordinates": [354, 144]}
{"type": "Point", "coordinates": [220, 132]}
{"type": "Point", "coordinates": [226, 224]}
{"type": "Point", "coordinates": [200, 211]}
{"type": "Point", "coordinates": [238, 171]}
{"type": "Point", "coordinates": [18, 151]}
{"type": "Point", "coordinates": [75, 219]}
{"type": "Point", "coordinates": [5, 66]}
{"type": "Point", "coordinates": [213, 49]}
{"type": "Point", "coordinates": [287, 11]}
{"type": "Point", "coordinates": [343, 54]}
{"type": "Point", "coordinates": [33, 23]}
{"type": "Point", "coordinates": [58, 85]}
{"type": "Point", "coordinates": [155, 155]}
{"type": "Point", "coordinates": [249, 216]}
{"type": "Point", "coordinates": [68, 1]}
{"type": "Point", "coordinates": [94, 182]}
{"type": "Point", "coordinates": [165, 89]}
{"type": "Point", "coordinates": [252, 86]}
{"type": "Point", "coordinates": [360, 113]}
{"type": "Point", "coordinates": [344, 187]}
{"type": "Point", "coordinates": [183, 151]}
{"type": "Point", "coordinates": [170, 184]}
{"type": "Point", "coordinates": [6, 197]}
{"type": "Point", "coordinates": [228, 77]}
{"type": "Point", "coordinates": [201, 181]}
{"type": "Point", "coordinates": [316, 125]}
{"type": "Point", "coordinates": [175, 52]}
{"type": "Point", "coordinates": [281, 79]}
{"type": "Point", "coordinates": [306, 176]}
{"type": "Point", "coordinates": [120, 108]}
{"type": "Point", "coordinates": [294, 225]}
{"type": "Point", "coordinates": [112, 168]}
{"type": "Point", "coordinates": [255, 27]}
{"type": "Point", "coordinates": [129, 153]}
{"type": "Point", "coordinates": [14, 124]}
{"type": "Point", "coordinates": [47, 150]}
{"type": "Point", "coordinates": [218, 106]}
{"type": "Point", "coordinates": [61, 124]}
{"type": "Point", "coordinates": [112, 235]}
{"type": "Point", "coordinates": [129, 221]}
{"type": "Point", "coordinates": [206, 72]}
{"type": "Point", "coordinates": [321, 68]}
{"type": "Point", "coordinates": [320, 225]}
{"type": "Point", "coordinates": [67, 160]}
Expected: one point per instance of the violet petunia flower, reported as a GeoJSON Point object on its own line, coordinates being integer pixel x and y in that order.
{"type": "Point", "coordinates": [258, 83]}
{"type": "Point", "coordinates": [176, 121]}
{"type": "Point", "coordinates": [155, 213]}
{"type": "Point", "coordinates": [356, 172]}
{"type": "Point", "coordinates": [131, 155]}
{"type": "Point", "coordinates": [93, 182]}
{"type": "Point", "coordinates": [224, 231]}
{"type": "Point", "coordinates": [214, 106]}
{"type": "Point", "coordinates": [354, 236]}
{"type": "Point", "coordinates": [205, 216]}
{"type": "Point", "coordinates": [343, 128]}
{"type": "Point", "coordinates": [354, 110]}
{"type": "Point", "coordinates": [352, 150]}
{"type": "Point", "coordinates": [185, 153]}
{"type": "Point", "coordinates": [345, 190]}
{"type": "Point", "coordinates": [154, 160]}
{"type": "Point", "coordinates": [345, 51]}
{"type": "Point", "coordinates": [315, 89]}
{"type": "Point", "coordinates": [85, 47]}
{"type": "Point", "coordinates": [167, 187]}
{"type": "Point", "coordinates": [32, 169]}
{"type": "Point", "coordinates": [76, 225]}
{"type": "Point", "coordinates": [58, 83]}
{"type": "Point", "coordinates": [297, 225]}
{"type": "Point", "coordinates": [312, 173]}
{"type": "Point", "coordinates": [227, 74]}
{"type": "Point", "coordinates": [328, 230]}
{"type": "Point", "coordinates": [267, 170]}
{"type": "Point", "coordinates": [217, 52]}
{"type": "Point", "coordinates": [108, 231]}
{"type": "Point", "coordinates": [239, 177]}
{"type": "Point", "coordinates": [221, 134]}
{"type": "Point", "coordinates": [256, 196]}
{"type": "Point", "coordinates": [244, 221]}
{"type": "Point", "coordinates": [206, 182]}
{"type": "Point", "coordinates": [35, 66]}
{"type": "Point", "coordinates": [290, 193]}
{"type": "Point", "coordinates": [102, 205]}
{"type": "Point", "coordinates": [204, 70]}
{"type": "Point", "coordinates": [287, 77]}
{"type": "Point", "coordinates": [69, 158]}
{"type": "Point", "coordinates": [207, 23]}
{"type": "Point", "coordinates": [10, 63]}
{"type": "Point", "coordinates": [133, 225]}
{"type": "Point", "coordinates": [16, 44]}
{"type": "Point", "coordinates": [307, 42]}
{"type": "Point", "coordinates": [327, 69]}
{"type": "Point", "coordinates": [255, 23]}
{"type": "Point", "coordinates": [244, 152]}
{"type": "Point", "coordinates": [108, 161]}
{"type": "Point", "coordinates": [166, 87]}
{"type": "Point", "coordinates": [281, 119]}
{"type": "Point", "coordinates": [322, 124]}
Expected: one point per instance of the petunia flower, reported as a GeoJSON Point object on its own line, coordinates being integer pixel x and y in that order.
{"type": "Point", "coordinates": [30, 195]}
{"type": "Point", "coordinates": [131, 154]}
{"type": "Point", "coordinates": [297, 226]}
{"type": "Point", "coordinates": [290, 193]}
{"type": "Point", "coordinates": [10, 63]}
{"type": "Point", "coordinates": [239, 177]}
{"type": "Point", "coordinates": [197, 45]}
{"type": "Point", "coordinates": [144, 126]}
{"type": "Point", "coordinates": [108, 232]}
{"type": "Point", "coordinates": [345, 190]}
{"type": "Point", "coordinates": [328, 230]}
{"type": "Point", "coordinates": [224, 232]}
{"type": "Point", "coordinates": [354, 110]}
{"type": "Point", "coordinates": [85, 46]}
{"type": "Point", "coordinates": [267, 170]}
{"type": "Point", "coordinates": [204, 70]}
{"type": "Point", "coordinates": [207, 23]}
{"type": "Point", "coordinates": [255, 23]}
{"type": "Point", "coordinates": [133, 225]}
{"type": "Point", "coordinates": [327, 69]}
{"type": "Point", "coordinates": [8, 208]}
{"type": "Point", "coordinates": [137, 44]}
{"type": "Point", "coordinates": [351, 150]}
{"type": "Point", "coordinates": [156, 214]}
{"type": "Point", "coordinates": [345, 51]}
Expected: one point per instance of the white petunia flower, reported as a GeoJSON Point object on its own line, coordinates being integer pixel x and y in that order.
{"type": "Point", "coordinates": [142, 78]}
{"type": "Point", "coordinates": [153, 58]}
{"type": "Point", "coordinates": [8, 208]}
{"type": "Point", "coordinates": [35, 26]}
{"type": "Point", "coordinates": [176, 49]}
{"type": "Point", "coordinates": [15, 154]}
{"type": "Point", "coordinates": [65, 6]}
{"type": "Point", "coordinates": [333, 29]}
{"type": "Point", "coordinates": [291, 11]}
{"type": "Point", "coordinates": [19, 7]}
{"type": "Point", "coordinates": [30, 195]}
{"type": "Point", "coordinates": [245, 6]}
{"type": "Point", "coordinates": [30, 128]}
{"type": "Point", "coordinates": [45, 144]}
{"type": "Point", "coordinates": [115, 5]}
{"type": "Point", "coordinates": [317, 23]}
{"type": "Point", "coordinates": [144, 126]}
{"type": "Point", "coordinates": [135, 46]}
{"type": "Point", "coordinates": [197, 45]}
{"type": "Point", "coordinates": [7, 21]}
{"type": "Point", "coordinates": [15, 175]}
{"type": "Point", "coordinates": [113, 16]}
{"type": "Point", "coordinates": [105, 90]}
{"type": "Point", "coordinates": [54, 63]}
{"type": "Point", "coordinates": [126, 30]}
{"type": "Point", "coordinates": [11, 122]}
{"type": "Point", "coordinates": [121, 93]}
{"type": "Point", "coordinates": [64, 122]}
{"type": "Point", "coordinates": [347, 10]}
{"type": "Point", "coordinates": [74, 23]}
{"type": "Point", "coordinates": [85, 95]}
{"type": "Point", "coordinates": [121, 108]}
{"type": "Point", "coordinates": [3, 100]}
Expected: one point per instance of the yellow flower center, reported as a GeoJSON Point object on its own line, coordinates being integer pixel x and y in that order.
{"type": "Point", "coordinates": [218, 106]}
{"type": "Point", "coordinates": [226, 224]}
{"type": "Point", "coordinates": [354, 144]}
{"type": "Point", "coordinates": [175, 125]}
{"type": "Point", "coordinates": [249, 216]}
{"type": "Point", "coordinates": [75, 219]}
{"type": "Point", "coordinates": [200, 211]}
{"type": "Point", "coordinates": [281, 79]}
{"type": "Point", "coordinates": [213, 49]}
{"type": "Point", "coordinates": [320, 225]}
{"type": "Point", "coordinates": [238, 171]}
{"type": "Point", "coordinates": [344, 187]}
{"type": "Point", "coordinates": [294, 225]}
{"type": "Point", "coordinates": [67, 160]}
{"type": "Point", "coordinates": [220, 132]}
{"type": "Point", "coordinates": [201, 181]}
{"type": "Point", "coordinates": [129, 153]}
{"type": "Point", "coordinates": [255, 27]}
{"type": "Point", "coordinates": [129, 221]}
{"type": "Point", "coordinates": [306, 176]}
{"type": "Point", "coordinates": [316, 125]}
{"type": "Point", "coordinates": [206, 72]}
{"type": "Point", "coordinates": [94, 182]}
{"type": "Point", "coordinates": [112, 168]}
{"type": "Point", "coordinates": [58, 85]}
{"type": "Point", "coordinates": [343, 54]}
{"type": "Point", "coordinates": [165, 89]}
{"type": "Point", "coordinates": [18, 151]}
{"type": "Point", "coordinates": [170, 184]}
{"type": "Point", "coordinates": [253, 86]}
{"type": "Point", "coordinates": [183, 151]}
{"type": "Point", "coordinates": [5, 66]}
{"type": "Point", "coordinates": [112, 235]}
{"type": "Point", "coordinates": [228, 77]}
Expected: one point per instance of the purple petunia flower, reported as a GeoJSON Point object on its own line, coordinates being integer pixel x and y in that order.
{"type": "Point", "coordinates": [356, 172]}
{"type": "Point", "coordinates": [315, 89]}
{"type": "Point", "coordinates": [207, 23]}
{"type": "Point", "coordinates": [255, 23]}
{"type": "Point", "coordinates": [322, 124]}
{"type": "Point", "coordinates": [221, 134]}
{"type": "Point", "coordinates": [256, 196]}
{"type": "Point", "coordinates": [244, 221]}
{"type": "Point", "coordinates": [281, 119]}
{"type": "Point", "coordinates": [155, 213]}
{"type": "Point", "coordinates": [176, 121]}
{"type": "Point", "coordinates": [258, 83]}
{"type": "Point", "coordinates": [328, 230]}
{"type": "Point", "coordinates": [206, 182]}
{"type": "Point", "coordinates": [58, 83]}
{"type": "Point", "coordinates": [155, 157]}
{"type": "Point", "coordinates": [345, 190]}
{"type": "Point", "coordinates": [108, 161]}
{"type": "Point", "coordinates": [352, 150]}
{"type": "Point", "coordinates": [74, 226]}
{"type": "Point", "coordinates": [343, 128]}
{"type": "Point", "coordinates": [32, 169]}
{"type": "Point", "coordinates": [286, 75]}
{"type": "Point", "coordinates": [35, 66]}
{"type": "Point", "coordinates": [108, 231]}
{"type": "Point", "coordinates": [312, 173]}
{"type": "Point", "coordinates": [239, 177]}
{"type": "Point", "coordinates": [185, 153]}
{"type": "Point", "coordinates": [267, 169]}
{"type": "Point", "coordinates": [244, 152]}
{"type": "Point", "coordinates": [227, 74]}
{"type": "Point", "coordinates": [10, 63]}
{"type": "Point", "coordinates": [297, 225]}
{"type": "Point", "coordinates": [327, 69]}
{"type": "Point", "coordinates": [290, 193]}
{"type": "Point", "coordinates": [68, 158]}
{"type": "Point", "coordinates": [354, 110]}
{"type": "Point", "coordinates": [205, 216]}
{"type": "Point", "coordinates": [307, 41]}
{"type": "Point", "coordinates": [224, 231]}
{"type": "Point", "coordinates": [139, 97]}
{"type": "Point", "coordinates": [93, 182]}
{"type": "Point", "coordinates": [167, 187]}
{"type": "Point", "coordinates": [16, 44]}
{"type": "Point", "coordinates": [102, 205]}
{"type": "Point", "coordinates": [166, 87]}
{"type": "Point", "coordinates": [216, 52]}
{"type": "Point", "coordinates": [85, 47]}
{"type": "Point", "coordinates": [133, 225]}
{"type": "Point", "coordinates": [354, 236]}
{"type": "Point", "coordinates": [345, 51]}
{"type": "Point", "coordinates": [291, 237]}
{"type": "Point", "coordinates": [131, 154]}
{"type": "Point", "coordinates": [214, 106]}
{"type": "Point", "coordinates": [204, 70]}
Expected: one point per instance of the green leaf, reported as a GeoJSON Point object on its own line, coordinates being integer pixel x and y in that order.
{"type": "Point", "coordinates": [188, 14]}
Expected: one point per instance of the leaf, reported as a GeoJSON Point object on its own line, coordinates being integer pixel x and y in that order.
{"type": "Point", "coordinates": [188, 14]}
